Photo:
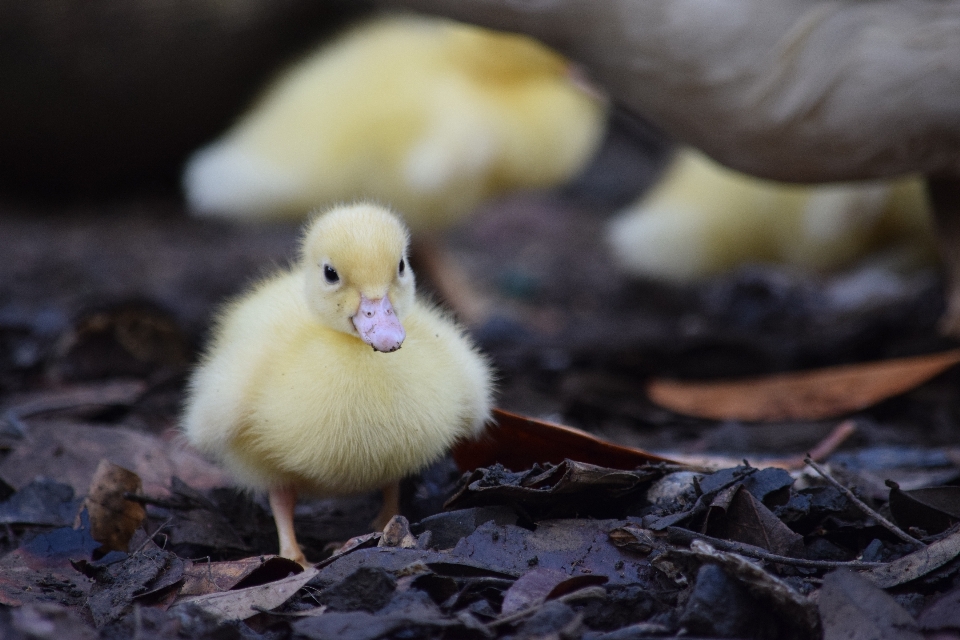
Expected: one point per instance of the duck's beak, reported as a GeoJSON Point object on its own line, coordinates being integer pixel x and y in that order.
{"type": "Point", "coordinates": [378, 325]}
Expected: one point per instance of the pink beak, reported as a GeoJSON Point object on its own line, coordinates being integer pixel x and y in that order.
{"type": "Point", "coordinates": [378, 325]}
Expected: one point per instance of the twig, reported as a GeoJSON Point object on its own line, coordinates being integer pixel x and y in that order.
{"type": "Point", "coordinates": [580, 594]}
{"type": "Point", "coordinates": [889, 526]}
{"type": "Point", "coordinates": [678, 534]}
{"type": "Point", "coordinates": [151, 536]}
{"type": "Point", "coordinates": [824, 448]}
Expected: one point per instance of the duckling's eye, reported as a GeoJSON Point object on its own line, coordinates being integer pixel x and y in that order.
{"type": "Point", "coordinates": [330, 274]}
{"type": "Point", "coordinates": [401, 266]}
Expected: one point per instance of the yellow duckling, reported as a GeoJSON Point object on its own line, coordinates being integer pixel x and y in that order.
{"type": "Point", "coordinates": [291, 397]}
{"type": "Point", "coordinates": [702, 218]}
{"type": "Point", "coordinates": [425, 115]}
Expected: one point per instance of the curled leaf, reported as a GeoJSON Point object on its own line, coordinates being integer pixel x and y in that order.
{"type": "Point", "coordinates": [519, 442]}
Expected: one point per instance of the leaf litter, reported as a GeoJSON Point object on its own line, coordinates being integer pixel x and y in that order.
{"type": "Point", "coordinates": [108, 528]}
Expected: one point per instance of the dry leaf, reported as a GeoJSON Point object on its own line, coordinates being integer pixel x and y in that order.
{"type": "Point", "coordinates": [519, 442]}
{"type": "Point", "coordinates": [915, 565]}
{"type": "Point", "coordinates": [243, 603]}
{"type": "Point", "coordinates": [215, 577]}
{"type": "Point", "coordinates": [853, 609]}
{"type": "Point", "coordinates": [809, 395]}
{"type": "Point", "coordinates": [114, 519]}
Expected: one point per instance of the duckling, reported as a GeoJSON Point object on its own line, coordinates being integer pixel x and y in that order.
{"type": "Point", "coordinates": [701, 219]}
{"type": "Point", "coordinates": [331, 377]}
{"type": "Point", "coordinates": [425, 115]}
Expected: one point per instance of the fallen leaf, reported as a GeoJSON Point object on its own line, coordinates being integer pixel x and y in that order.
{"type": "Point", "coordinates": [519, 442]}
{"type": "Point", "coordinates": [808, 395]}
{"type": "Point", "coordinates": [414, 614]}
{"type": "Point", "coordinates": [915, 565]}
{"type": "Point", "coordinates": [42, 502]}
{"type": "Point", "coordinates": [113, 518]}
{"type": "Point", "coordinates": [577, 547]}
{"type": "Point", "coordinates": [118, 584]}
{"type": "Point", "coordinates": [737, 515]}
{"type": "Point", "coordinates": [942, 614]}
{"type": "Point", "coordinates": [539, 585]}
{"type": "Point", "coordinates": [41, 571]}
{"type": "Point", "coordinates": [240, 604]}
{"type": "Point", "coordinates": [215, 577]}
{"type": "Point", "coordinates": [854, 609]}
{"type": "Point", "coordinates": [69, 452]}
{"type": "Point", "coordinates": [933, 509]}
{"type": "Point", "coordinates": [764, 586]}
{"type": "Point", "coordinates": [558, 490]}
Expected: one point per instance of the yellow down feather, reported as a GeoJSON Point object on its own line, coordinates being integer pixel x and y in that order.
{"type": "Point", "coordinates": [425, 115]}
{"type": "Point", "coordinates": [701, 219]}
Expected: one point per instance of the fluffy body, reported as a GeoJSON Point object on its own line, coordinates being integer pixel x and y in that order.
{"type": "Point", "coordinates": [702, 218]}
{"type": "Point", "coordinates": [426, 115]}
{"type": "Point", "coordinates": [288, 395]}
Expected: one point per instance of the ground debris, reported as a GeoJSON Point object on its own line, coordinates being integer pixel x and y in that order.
{"type": "Point", "coordinates": [578, 534]}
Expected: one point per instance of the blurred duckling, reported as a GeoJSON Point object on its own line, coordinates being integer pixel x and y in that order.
{"type": "Point", "coordinates": [425, 115]}
{"type": "Point", "coordinates": [702, 219]}
{"type": "Point", "coordinates": [305, 388]}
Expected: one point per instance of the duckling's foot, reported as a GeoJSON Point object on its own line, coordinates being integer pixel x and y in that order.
{"type": "Point", "coordinates": [390, 508]}
{"type": "Point", "coordinates": [282, 502]}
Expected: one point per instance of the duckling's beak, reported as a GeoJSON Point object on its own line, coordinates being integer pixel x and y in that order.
{"type": "Point", "coordinates": [378, 325]}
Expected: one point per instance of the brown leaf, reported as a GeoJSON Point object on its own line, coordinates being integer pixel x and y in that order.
{"type": "Point", "coordinates": [745, 519]}
{"type": "Point", "coordinates": [519, 442]}
{"type": "Point", "coordinates": [215, 577]}
{"type": "Point", "coordinates": [113, 519]}
{"type": "Point", "coordinates": [808, 395]}
{"type": "Point", "coordinates": [243, 603]}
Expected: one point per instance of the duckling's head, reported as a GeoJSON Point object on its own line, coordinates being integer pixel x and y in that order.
{"type": "Point", "coordinates": [357, 275]}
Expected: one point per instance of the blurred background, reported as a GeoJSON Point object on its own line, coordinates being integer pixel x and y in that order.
{"type": "Point", "coordinates": [111, 269]}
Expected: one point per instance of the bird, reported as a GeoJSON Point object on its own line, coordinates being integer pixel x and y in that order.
{"type": "Point", "coordinates": [702, 219]}
{"type": "Point", "coordinates": [804, 91]}
{"type": "Point", "coordinates": [331, 377]}
{"type": "Point", "coordinates": [422, 114]}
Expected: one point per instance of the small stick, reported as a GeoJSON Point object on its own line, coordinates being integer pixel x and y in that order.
{"type": "Point", "coordinates": [151, 536]}
{"type": "Point", "coordinates": [824, 448]}
{"type": "Point", "coordinates": [686, 537]}
{"type": "Point", "coordinates": [889, 526]}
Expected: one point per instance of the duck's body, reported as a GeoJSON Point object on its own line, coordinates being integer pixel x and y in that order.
{"type": "Point", "coordinates": [794, 90]}
{"type": "Point", "coordinates": [702, 218]}
{"type": "Point", "coordinates": [293, 399]}
{"type": "Point", "coordinates": [424, 115]}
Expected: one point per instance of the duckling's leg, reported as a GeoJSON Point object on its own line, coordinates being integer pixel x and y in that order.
{"type": "Point", "coordinates": [944, 192]}
{"type": "Point", "coordinates": [450, 281]}
{"type": "Point", "coordinates": [282, 502]}
{"type": "Point", "coordinates": [390, 508]}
